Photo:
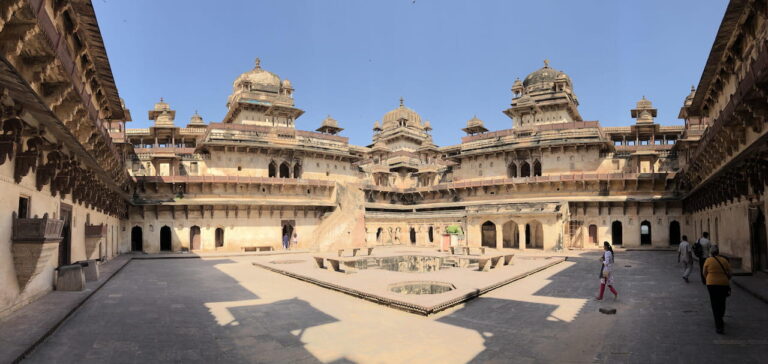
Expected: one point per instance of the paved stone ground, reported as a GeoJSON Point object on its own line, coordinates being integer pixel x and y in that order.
{"type": "Point", "coordinates": [226, 310]}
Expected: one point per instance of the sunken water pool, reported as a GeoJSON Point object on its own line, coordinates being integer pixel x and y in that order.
{"type": "Point", "coordinates": [405, 263]}
{"type": "Point", "coordinates": [421, 287]}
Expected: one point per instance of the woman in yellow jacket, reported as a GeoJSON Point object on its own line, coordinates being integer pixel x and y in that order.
{"type": "Point", "coordinates": [717, 273]}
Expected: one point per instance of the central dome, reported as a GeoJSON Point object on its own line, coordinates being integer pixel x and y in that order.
{"type": "Point", "coordinates": [391, 118]}
{"type": "Point", "coordinates": [543, 78]}
{"type": "Point", "coordinates": [258, 76]}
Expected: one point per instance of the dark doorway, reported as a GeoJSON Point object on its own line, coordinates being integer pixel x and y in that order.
{"type": "Point", "coordinates": [165, 238]}
{"type": "Point", "coordinates": [297, 171]}
{"type": "Point", "coordinates": [136, 239]}
{"type": "Point", "coordinates": [527, 235]}
{"type": "Point", "coordinates": [674, 233]}
{"type": "Point", "coordinates": [272, 169]}
{"type": "Point", "coordinates": [412, 233]}
{"type": "Point", "coordinates": [537, 168]}
{"type": "Point", "coordinates": [645, 233]}
{"type": "Point", "coordinates": [488, 234]}
{"type": "Point", "coordinates": [219, 235]}
{"type": "Point", "coordinates": [431, 234]}
{"type": "Point", "coordinates": [525, 170]}
{"type": "Point", "coordinates": [194, 238]}
{"type": "Point", "coordinates": [287, 230]}
{"type": "Point", "coordinates": [593, 234]}
{"type": "Point", "coordinates": [65, 246]}
{"type": "Point", "coordinates": [512, 170]}
{"type": "Point", "coordinates": [617, 233]}
{"type": "Point", "coordinates": [759, 240]}
{"type": "Point", "coordinates": [378, 234]}
{"type": "Point", "coordinates": [285, 170]}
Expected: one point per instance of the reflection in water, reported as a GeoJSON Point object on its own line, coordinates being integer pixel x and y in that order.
{"type": "Point", "coordinates": [421, 287]}
{"type": "Point", "coordinates": [405, 263]}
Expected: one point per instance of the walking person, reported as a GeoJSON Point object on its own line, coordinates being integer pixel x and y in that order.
{"type": "Point", "coordinates": [717, 272]}
{"type": "Point", "coordinates": [285, 241]}
{"type": "Point", "coordinates": [606, 272]}
{"type": "Point", "coordinates": [295, 241]}
{"type": "Point", "coordinates": [701, 251]}
{"type": "Point", "coordinates": [685, 256]}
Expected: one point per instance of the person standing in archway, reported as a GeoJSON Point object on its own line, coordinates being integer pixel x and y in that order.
{"type": "Point", "coordinates": [685, 256]}
{"type": "Point", "coordinates": [285, 241]}
{"type": "Point", "coordinates": [295, 240]}
{"type": "Point", "coordinates": [606, 272]}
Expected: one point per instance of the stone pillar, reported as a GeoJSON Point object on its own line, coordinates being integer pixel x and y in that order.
{"type": "Point", "coordinates": [499, 236]}
{"type": "Point", "coordinates": [521, 236]}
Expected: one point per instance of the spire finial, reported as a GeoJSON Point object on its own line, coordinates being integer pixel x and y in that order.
{"type": "Point", "coordinates": [401, 101]}
{"type": "Point", "coordinates": [161, 99]}
{"type": "Point", "coordinates": [693, 88]}
{"type": "Point", "coordinates": [258, 63]}
{"type": "Point", "coordinates": [546, 63]}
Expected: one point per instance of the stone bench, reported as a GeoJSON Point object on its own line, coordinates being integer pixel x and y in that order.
{"type": "Point", "coordinates": [354, 251]}
{"type": "Point", "coordinates": [508, 259]}
{"type": "Point", "coordinates": [70, 278]}
{"type": "Point", "coordinates": [90, 269]}
{"type": "Point", "coordinates": [466, 250]}
{"type": "Point", "coordinates": [486, 263]}
{"type": "Point", "coordinates": [320, 261]}
{"type": "Point", "coordinates": [257, 248]}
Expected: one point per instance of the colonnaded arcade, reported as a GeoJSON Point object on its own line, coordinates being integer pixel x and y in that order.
{"type": "Point", "coordinates": [85, 186]}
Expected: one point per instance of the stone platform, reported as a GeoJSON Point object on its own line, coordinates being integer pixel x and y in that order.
{"type": "Point", "coordinates": [373, 284]}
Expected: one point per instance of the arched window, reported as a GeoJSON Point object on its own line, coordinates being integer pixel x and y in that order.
{"type": "Point", "coordinates": [537, 168]}
{"type": "Point", "coordinates": [297, 170]}
{"type": "Point", "coordinates": [219, 237]}
{"type": "Point", "coordinates": [272, 169]}
{"type": "Point", "coordinates": [512, 170]}
{"type": "Point", "coordinates": [285, 170]}
{"type": "Point", "coordinates": [525, 170]}
{"type": "Point", "coordinates": [645, 233]}
{"type": "Point", "coordinates": [488, 234]}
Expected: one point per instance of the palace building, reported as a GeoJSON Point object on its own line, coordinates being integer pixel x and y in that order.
{"type": "Point", "coordinates": [84, 186]}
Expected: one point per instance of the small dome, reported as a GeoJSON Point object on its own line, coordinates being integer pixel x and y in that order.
{"type": "Point", "coordinates": [689, 98]}
{"type": "Point", "coordinates": [376, 125]}
{"type": "Point", "coordinates": [544, 78]}
{"type": "Point", "coordinates": [644, 104]}
{"type": "Point", "coordinates": [427, 125]}
{"type": "Point", "coordinates": [196, 119]}
{"type": "Point", "coordinates": [162, 106]}
{"type": "Point", "coordinates": [402, 112]}
{"type": "Point", "coordinates": [287, 84]}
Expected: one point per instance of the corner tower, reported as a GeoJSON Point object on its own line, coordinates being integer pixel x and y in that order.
{"type": "Point", "coordinates": [260, 97]}
{"type": "Point", "coordinates": [545, 97]}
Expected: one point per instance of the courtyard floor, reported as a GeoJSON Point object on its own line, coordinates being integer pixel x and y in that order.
{"type": "Point", "coordinates": [226, 310]}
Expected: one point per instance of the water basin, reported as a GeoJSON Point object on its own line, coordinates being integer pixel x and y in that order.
{"type": "Point", "coordinates": [403, 263]}
{"type": "Point", "coordinates": [421, 287]}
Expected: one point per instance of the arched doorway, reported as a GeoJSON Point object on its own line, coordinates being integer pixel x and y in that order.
{"type": "Point", "coordinates": [378, 234]}
{"type": "Point", "coordinates": [534, 235]}
{"type": "Point", "coordinates": [512, 170]}
{"type": "Point", "coordinates": [285, 170]}
{"type": "Point", "coordinates": [674, 233]}
{"type": "Point", "coordinates": [297, 171]}
{"type": "Point", "coordinates": [645, 233]}
{"type": "Point", "coordinates": [219, 237]}
{"type": "Point", "coordinates": [525, 170]}
{"type": "Point", "coordinates": [272, 169]}
{"type": "Point", "coordinates": [412, 235]}
{"type": "Point", "coordinates": [758, 240]}
{"type": "Point", "coordinates": [165, 238]}
{"type": "Point", "coordinates": [136, 239]}
{"type": "Point", "coordinates": [509, 234]}
{"type": "Point", "coordinates": [537, 168]}
{"type": "Point", "coordinates": [488, 230]}
{"type": "Point", "coordinates": [431, 234]}
{"type": "Point", "coordinates": [194, 238]}
{"type": "Point", "coordinates": [593, 234]}
{"type": "Point", "coordinates": [616, 233]}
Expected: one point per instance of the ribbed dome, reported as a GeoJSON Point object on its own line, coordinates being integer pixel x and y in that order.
{"type": "Point", "coordinates": [544, 78]}
{"type": "Point", "coordinates": [402, 112]}
{"type": "Point", "coordinates": [258, 76]}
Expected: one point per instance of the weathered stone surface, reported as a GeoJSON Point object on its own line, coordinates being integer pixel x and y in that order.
{"type": "Point", "coordinates": [90, 269]}
{"type": "Point", "coordinates": [30, 259]}
{"type": "Point", "coordinates": [70, 278]}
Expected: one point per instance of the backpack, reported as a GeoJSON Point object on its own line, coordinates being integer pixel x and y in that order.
{"type": "Point", "coordinates": [698, 250]}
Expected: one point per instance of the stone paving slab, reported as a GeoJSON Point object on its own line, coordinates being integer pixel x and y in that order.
{"type": "Point", "coordinates": [373, 284]}
{"type": "Point", "coordinates": [25, 328]}
{"type": "Point", "coordinates": [756, 284]}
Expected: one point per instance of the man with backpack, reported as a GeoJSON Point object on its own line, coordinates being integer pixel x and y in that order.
{"type": "Point", "coordinates": [701, 251]}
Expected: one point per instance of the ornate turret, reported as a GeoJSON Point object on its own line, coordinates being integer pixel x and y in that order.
{"type": "Point", "coordinates": [195, 121]}
{"type": "Point", "coordinates": [260, 97]}
{"type": "Point", "coordinates": [644, 112]}
{"type": "Point", "coordinates": [545, 96]}
{"type": "Point", "coordinates": [475, 126]}
{"type": "Point", "coordinates": [162, 114]}
{"type": "Point", "coordinates": [329, 126]}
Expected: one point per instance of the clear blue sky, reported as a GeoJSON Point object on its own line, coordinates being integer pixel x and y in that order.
{"type": "Point", "coordinates": [450, 60]}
